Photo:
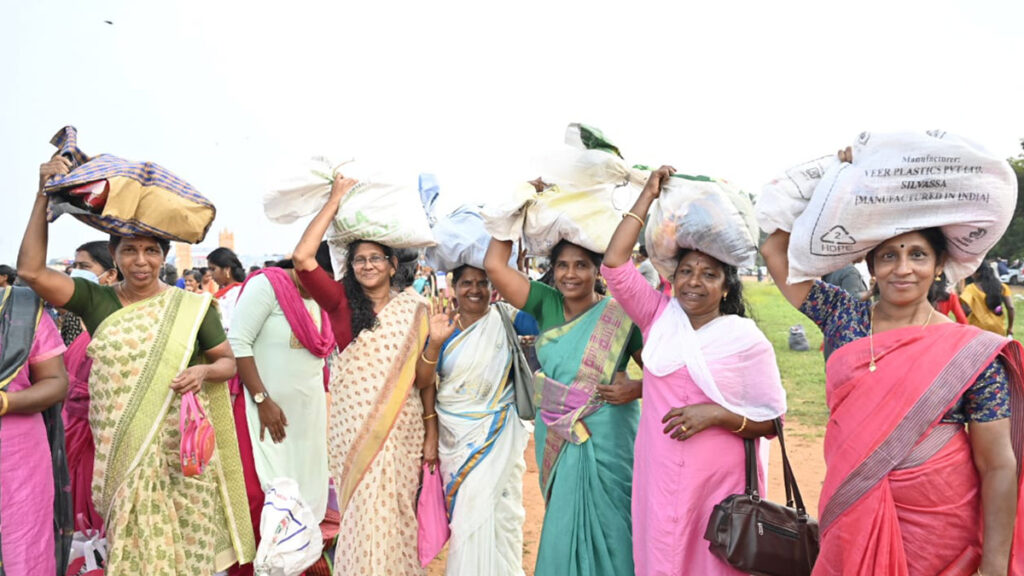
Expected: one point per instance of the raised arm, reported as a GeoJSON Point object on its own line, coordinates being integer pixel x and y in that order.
{"type": "Point", "coordinates": [52, 286]}
{"type": "Point", "coordinates": [620, 249]}
{"type": "Point", "coordinates": [513, 285]}
{"type": "Point", "coordinates": [304, 255]}
{"type": "Point", "coordinates": [775, 252]}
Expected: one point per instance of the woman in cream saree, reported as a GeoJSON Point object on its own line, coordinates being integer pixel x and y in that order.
{"type": "Point", "coordinates": [158, 520]}
{"type": "Point", "coordinates": [375, 442]}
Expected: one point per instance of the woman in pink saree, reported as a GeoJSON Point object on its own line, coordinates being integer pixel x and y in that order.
{"type": "Point", "coordinates": [909, 489]}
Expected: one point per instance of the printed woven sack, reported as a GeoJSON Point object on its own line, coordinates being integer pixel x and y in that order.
{"type": "Point", "coordinates": [898, 183]}
{"type": "Point", "coordinates": [589, 187]}
{"type": "Point", "coordinates": [703, 214]}
{"type": "Point", "coordinates": [126, 198]}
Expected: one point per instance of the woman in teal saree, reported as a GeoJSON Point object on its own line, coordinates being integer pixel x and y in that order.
{"type": "Point", "coordinates": [587, 411]}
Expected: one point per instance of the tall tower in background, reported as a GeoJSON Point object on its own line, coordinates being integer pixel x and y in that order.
{"type": "Point", "coordinates": [227, 239]}
{"type": "Point", "coordinates": [182, 256]}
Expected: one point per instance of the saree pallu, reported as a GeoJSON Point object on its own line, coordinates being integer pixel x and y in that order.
{"type": "Point", "coordinates": [584, 447]}
{"type": "Point", "coordinates": [902, 495]}
{"type": "Point", "coordinates": [160, 522]}
{"type": "Point", "coordinates": [481, 449]}
{"type": "Point", "coordinates": [375, 442]}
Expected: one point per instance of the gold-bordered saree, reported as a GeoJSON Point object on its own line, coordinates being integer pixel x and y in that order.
{"type": "Point", "coordinates": [375, 442]}
{"type": "Point", "coordinates": [160, 522]}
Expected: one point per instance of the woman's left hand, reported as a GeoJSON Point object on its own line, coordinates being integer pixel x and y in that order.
{"type": "Point", "coordinates": [682, 423]}
{"type": "Point", "coordinates": [430, 441]}
{"type": "Point", "coordinates": [190, 380]}
{"type": "Point", "coordinates": [622, 390]}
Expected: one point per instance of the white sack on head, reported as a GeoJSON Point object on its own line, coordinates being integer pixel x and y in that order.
{"type": "Point", "coordinates": [588, 191]}
{"type": "Point", "coordinates": [901, 182]}
{"type": "Point", "coordinates": [302, 194]}
{"type": "Point", "coordinates": [380, 210]}
{"type": "Point", "coordinates": [702, 214]}
{"type": "Point", "coordinates": [290, 537]}
{"type": "Point", "coordinates": [783, 199]}
{"type": "Point", "coordinates": [461, 240]}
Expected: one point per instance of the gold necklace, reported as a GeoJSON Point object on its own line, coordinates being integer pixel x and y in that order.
{"type": "Point", "coordinates": [871, 335]}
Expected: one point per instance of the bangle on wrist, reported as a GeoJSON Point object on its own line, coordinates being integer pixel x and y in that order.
{"type": "Point", "coordinates": [742, 426]}
{"type": "Point", "coordinates": [423, 356]}
{"type": "Point", "coordinates": [429, 416]}
{"type": "Point", "coordinates": [635, 217]}
{"type": "Point", "coordinates": [6, 403]}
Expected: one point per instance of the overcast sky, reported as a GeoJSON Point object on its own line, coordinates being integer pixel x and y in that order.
{"type": "Point", "coordinates": [232, 96]}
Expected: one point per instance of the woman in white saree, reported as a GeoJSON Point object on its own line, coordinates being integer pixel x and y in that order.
{"type": "Point", "coordinates": [482, 439]}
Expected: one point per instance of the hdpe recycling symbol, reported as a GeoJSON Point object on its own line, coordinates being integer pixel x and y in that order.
{"type": "Point", "coordinates": [837, 235]}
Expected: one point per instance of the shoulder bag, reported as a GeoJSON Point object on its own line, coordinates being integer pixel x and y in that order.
{"type": "Point", "coordinates": [761, 537]}
{"type": "Point", "coordinates": [522, 376]}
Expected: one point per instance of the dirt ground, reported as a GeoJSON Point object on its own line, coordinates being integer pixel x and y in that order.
{"type": "Point", "coordinates": [805, 454]}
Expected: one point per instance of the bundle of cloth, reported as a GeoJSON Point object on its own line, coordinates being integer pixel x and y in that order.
{"type": "Point", "coordinates": [383, 207]}
{"type": "Point", "coordinates": [462, 240]}
{"type": "Point", "coordinates": [126, 198]}
{"type": "Point", "coordinates": [701, 213]}
{"type": "Point", "coordinates": [896, 182]}
{"type": "Point", "coordinates": [584, 192]}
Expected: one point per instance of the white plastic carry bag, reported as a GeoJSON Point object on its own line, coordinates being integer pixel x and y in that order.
{"type": "Point", "coordinates": [290, 538]}
{"type": "Point", "coordinates": [700, 213]}
{"type": "Point", "coordinates": [900, 182]}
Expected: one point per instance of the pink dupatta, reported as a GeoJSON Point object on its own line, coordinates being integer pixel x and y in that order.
{"type": "Point", "coordinates": [902, 495]}
{"type": "Point", "coordinates": [320, 342]}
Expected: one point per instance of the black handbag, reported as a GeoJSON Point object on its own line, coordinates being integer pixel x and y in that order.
{"type": "Point", "coordinates": [762, 537]}
{"type": "Point", "coordinates": [522, 375]}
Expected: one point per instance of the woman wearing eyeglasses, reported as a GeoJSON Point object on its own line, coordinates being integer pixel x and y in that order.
{"type": "Point", "coordinates": [377, 432]}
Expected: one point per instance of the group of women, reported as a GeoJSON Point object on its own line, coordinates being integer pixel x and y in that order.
{"type": "Point", "coordinates": [922, 446]}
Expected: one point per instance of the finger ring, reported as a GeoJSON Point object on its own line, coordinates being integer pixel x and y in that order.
{"type": "Point", "coordinates": [683, 427]}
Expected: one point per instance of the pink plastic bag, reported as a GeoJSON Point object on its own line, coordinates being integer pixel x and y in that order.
{"type": "Point", "coordinates": [432, 515]}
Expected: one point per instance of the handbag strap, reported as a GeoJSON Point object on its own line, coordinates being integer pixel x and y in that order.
{"type": "Point", "coordinates": [510, 330]}
{"type": "Point", "coordinates": [793, 497]}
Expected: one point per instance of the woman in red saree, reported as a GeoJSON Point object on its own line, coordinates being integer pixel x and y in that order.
{"type": "Point", "coordinates": [909, 490]}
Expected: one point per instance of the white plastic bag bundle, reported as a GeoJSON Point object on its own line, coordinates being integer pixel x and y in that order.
{"type": "Point", "coordinates": [290, 538]}
{"type": "Point", "coordinates": [783, 199]}
{"type": "Point", "coordinates": [589, 190]}
{"type": "Point", "coordinates": [901, 182]}
{"type": "Point", "coordinates": [703, 214]}
{"type": "Point", "coordinates": [302, 194]}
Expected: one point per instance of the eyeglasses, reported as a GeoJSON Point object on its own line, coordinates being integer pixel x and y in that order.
{"type": "Point", "coordinates": [374, 261]}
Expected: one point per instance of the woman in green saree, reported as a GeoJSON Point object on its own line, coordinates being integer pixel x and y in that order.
{"type": "Point", "coordinates": [588, 411]}
{"type": "Point", "coordinates": [151, 343]}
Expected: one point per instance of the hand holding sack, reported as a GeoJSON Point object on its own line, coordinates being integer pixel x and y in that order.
{"type": "Point", "coordinates": [126, 198]}
{"type": "Point", "coordinates": [590, 187]}
{"type": "Point", "coordinates": [704, 214]}
{"type": "Point", "coordinates": [898, 183]}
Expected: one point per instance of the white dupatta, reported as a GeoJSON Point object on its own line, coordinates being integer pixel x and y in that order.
{"type": "Point", "coordinates": [729, 359]}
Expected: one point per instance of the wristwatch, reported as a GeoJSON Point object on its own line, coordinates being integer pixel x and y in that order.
{"type": "Point", "coordinates": [259, 398]}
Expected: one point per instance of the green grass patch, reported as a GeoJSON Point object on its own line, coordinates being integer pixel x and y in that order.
{"type": "Point", "coordinates": [803, 373]}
